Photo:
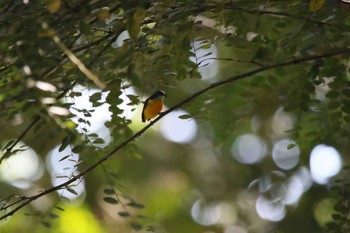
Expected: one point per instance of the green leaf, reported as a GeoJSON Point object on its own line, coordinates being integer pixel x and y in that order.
{"type": "Point", "coordinates": [94, 98]}
{"type": "Point", "coordinates": [124, 214]}
{"type": "Point", "coordinates": [185, 116]}
{"type": "Point", "coordinates": [52, 215]}
{"type": "Point", "coordinates": [136, 226]}
{"type": "Point", "coordinates": [46, 224]}
{"type": "Point", "coordinates": [65, 143]}
{"type": "Point", "coordinates": [9, 144]}
{"type": "Point", "coordinates": [72, 191]}
{"type": "Point", "coordinates": [135, 205]}
{"type": "Point", "coordinates": [316, 5]}
{"type": "Point", "coordinates": [150, 229]}
{"type": "Point", "coordinates": [111, 200]}
{"type": "Point", "coordinates": [77, 149]}
{"type": "Point", "coordinates": [109, 191]}
{"type": "Point", "coordinates": [59, 208]}
{"type": "Point", "coordinates": [63, 158]}
{"type": "Point", "coordinates": [98, 141]}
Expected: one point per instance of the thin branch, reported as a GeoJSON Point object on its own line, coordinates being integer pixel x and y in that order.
{"type": "Point", "coordinates": [20, 137]}
{"type": "Point", "coordinates": [183, 102]}
{"type": "Point", "coordinates": [75, 60]}
{"type": "Point", "coordinates": [284, 14]}
{"type": "Point", "coordinates": [230, 59]}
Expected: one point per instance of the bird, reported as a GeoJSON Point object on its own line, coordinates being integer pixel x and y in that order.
{"type": "Point", "coordinates": [153, 105]}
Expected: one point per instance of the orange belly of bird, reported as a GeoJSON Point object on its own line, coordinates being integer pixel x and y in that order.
{"type": "Point", "coordinates": [153, 109]}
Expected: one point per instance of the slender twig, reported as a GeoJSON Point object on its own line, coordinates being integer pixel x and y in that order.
{"type": "Point", "coordinates": [20, 137]}
{"type": "Point", "coordinates": [230, 59]}
{"type": "Point", "coordinates": [181, 103]}
{"type": "Point", "coordinates": [284, 14]}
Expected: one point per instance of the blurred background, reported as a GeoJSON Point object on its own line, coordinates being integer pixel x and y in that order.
{"type": "Point", "coordinates": [265, 153]}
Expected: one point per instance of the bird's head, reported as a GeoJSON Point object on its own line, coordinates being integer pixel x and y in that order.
{"type": "Point", "coordinates": [158, 95]}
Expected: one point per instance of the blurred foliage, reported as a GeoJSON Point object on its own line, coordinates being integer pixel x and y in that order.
{"type": "Point", "coordinates": [54, 52]}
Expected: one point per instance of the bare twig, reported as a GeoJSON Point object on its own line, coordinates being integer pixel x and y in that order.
{"type": "Point", "coordinates": [81, 66]}
{"type": "Point", "coordinates": [30, 199]}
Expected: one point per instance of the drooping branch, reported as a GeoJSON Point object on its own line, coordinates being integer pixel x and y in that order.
{"type": "Point", "coordinates": [215, 85]}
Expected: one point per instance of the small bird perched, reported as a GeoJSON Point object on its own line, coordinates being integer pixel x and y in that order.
{"type": "Point", "coordinates": [153, 105]}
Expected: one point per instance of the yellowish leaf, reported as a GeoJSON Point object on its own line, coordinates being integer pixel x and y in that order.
{"type": "Point", "coordinates": [315, 5]}
{"type": "Point", "coordinates": [134, 27]}
{"type": "Point", "coordinates": [53, 6]}
{"type": "Point", "coordinates": [104, 14]}
{"type": "Point", "coordinates": [139, 14]}
{"type": "Point", "coordinates": [46, 33]}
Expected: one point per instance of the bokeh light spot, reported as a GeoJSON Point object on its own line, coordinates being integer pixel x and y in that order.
{"type": "Point", "coordinates": [22, 168]}
{"type": "Point", "coordinates": [281, 123]}
{"type": "Point", "coordinates": [205, 58]}
{"type": "Point", "coordinates": [325, 162]}
{"type": "Point", "coordinates": [205, 214]}
{"type": "Point", "coordinates": [284, 157]}
{"type": "Point", "coordinates": [248, 149]}
{"type": "Point", "coordinates": [297, 185]}
{"type": "Point", "coordinates": [270, 210]}
{"type": "Point", "coordinates": [178, 130]}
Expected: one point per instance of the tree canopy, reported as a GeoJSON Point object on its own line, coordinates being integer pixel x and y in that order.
{"type": "Point", "coordinates": [253, 136]}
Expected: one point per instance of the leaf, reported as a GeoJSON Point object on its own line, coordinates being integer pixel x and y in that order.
{"type": "Point", "coordinates": [136, 226]}
{"type": "Point", "coordinates": [72, 191]}
{"type": "Point", "coordinates": [9, 144]}
{"type": "Point", "coordinates": [124, 214]}
{"type": "Point", "coordinates": [135, 205]}
{"type": "Point", "coordinates": [95, 97]}
{"type": "Point", "coordinates": [46, 224]}
{"type": "Point", "coordinates": [111, 200]}
{"type": "Point", "coordinates": [104, 14]}
{"type": "Point", "coordinates": [52, 215]}
{"type": "Point", "coordinates": [134, 26]}
{"type": "Point", "coordinates": [59, 208]}
{"type": "Point", "coordinates": [109, 191]}
{"type": "Point", "coordinates": [65, 143]}
{"type": "Point", "coordinates": [53, 6]}
{"type": "Point", "coordinates": [316, 5]}
{"type": "Point", "coordinates": [98, 141]}
{"type": "Point", "coordinates": [150, 229]}
{"type": "Point", "coordinates": [77, 149]}
{"type": "Point", "coordinates": [185, 116]}
{"type": "Point", "coordinates": [63, 158]}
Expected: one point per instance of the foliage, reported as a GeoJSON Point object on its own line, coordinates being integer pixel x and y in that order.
{"type": "Point", "coordinates": [274, 59]}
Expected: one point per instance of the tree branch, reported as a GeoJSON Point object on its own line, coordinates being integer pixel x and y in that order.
{"type": "Point", "coordinates": [283, 14]}
{"type": "Point", "coordinates": [183, 102]}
